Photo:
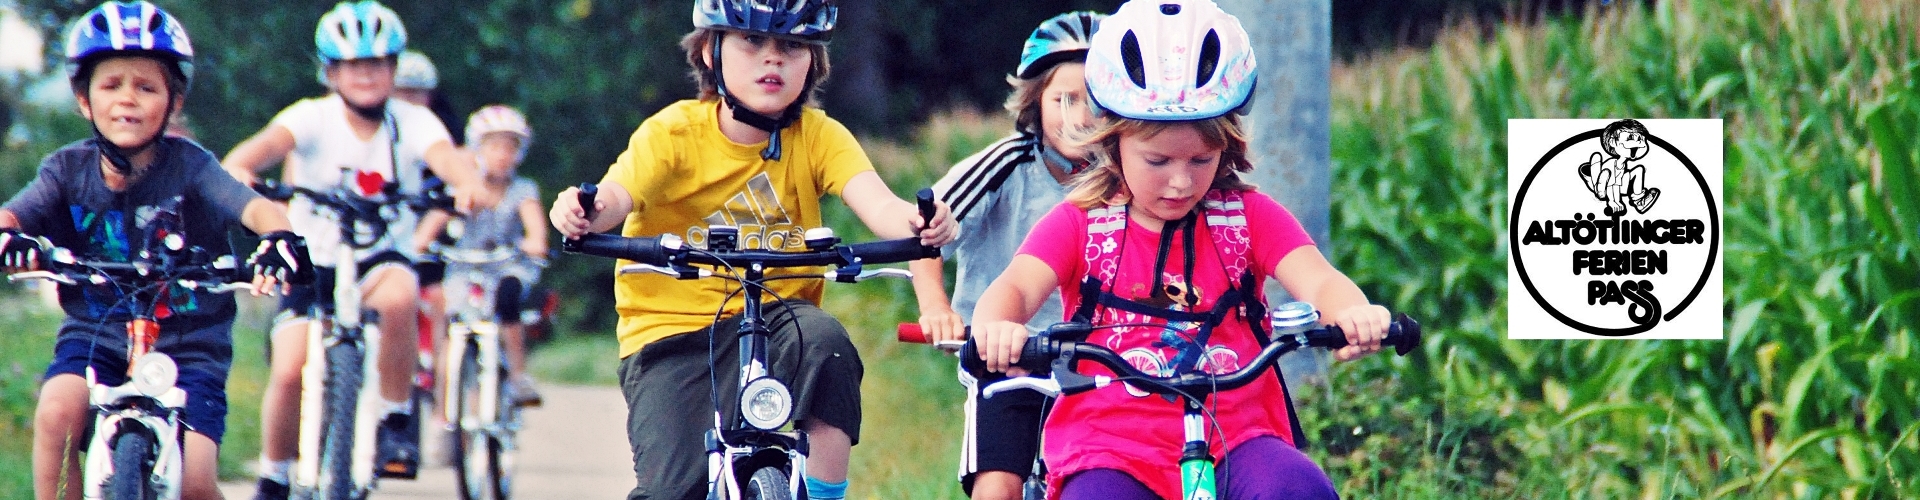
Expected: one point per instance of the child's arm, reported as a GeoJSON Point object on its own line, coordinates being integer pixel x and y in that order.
{"type": "Point", "coordinates": [430, 227]}
{"type": "Point", "coordinates": [461, 174]}
{"type": "Point", "coordinates": [263, 216]}
{"type": "Point", "coordinates": [1000, 319]}
{"type": "Point", "coordinates": [937, 318]}
{"type": "Point", "coordinates": [890, 217]}
{"type": "Point", "coordinates": [534, 239]}
{"type": "Point", "coordinates": [611, 207]}
{"type": "Point", "coordinates": [1309, 277]}
{"type": "Point", "coordinates": [256, 153]}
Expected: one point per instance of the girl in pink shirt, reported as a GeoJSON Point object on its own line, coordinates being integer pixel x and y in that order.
{"type": "Point", "coordinates": [1163, 220]}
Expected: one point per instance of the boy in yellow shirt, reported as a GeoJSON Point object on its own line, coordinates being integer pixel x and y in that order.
{"type": "Point", "coordinates": [750, 154]}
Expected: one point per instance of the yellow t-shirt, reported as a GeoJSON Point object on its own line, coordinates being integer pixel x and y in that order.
{"type": "Point", "coordinates": [684, 175]}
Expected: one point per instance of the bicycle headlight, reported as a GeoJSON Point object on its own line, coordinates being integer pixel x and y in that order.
{"type": "Point", "coordinates": [156, 374]}
{"type": "Point", "coordinates": [766, 403]}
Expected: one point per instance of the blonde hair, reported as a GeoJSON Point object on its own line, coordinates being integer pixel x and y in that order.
{"type": "Point", "coordinates": [1104, 184]}
{"type": "Point", "coordinates": [695, 43]}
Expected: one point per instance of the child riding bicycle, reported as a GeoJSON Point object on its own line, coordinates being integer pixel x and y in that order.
{"type": "Point", "coordinates": [498, 136]}
{"type": "Point", "coordinates": [998, 195]}
{"type": "Point", "coordinates": [749, 153]}
{"type": "Point", "coordinates": [105, 198]}
{"type": "Point", "coordinates": [1164, 227]}
{"type": "Point", "coordinates": [360, 138]}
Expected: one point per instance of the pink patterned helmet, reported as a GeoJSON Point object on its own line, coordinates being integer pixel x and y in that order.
{"type": "Point", "coordinates": [1170, 60]}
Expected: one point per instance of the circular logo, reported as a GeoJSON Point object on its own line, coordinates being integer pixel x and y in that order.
{"type": "Point", "coordinates": [1614, 230]}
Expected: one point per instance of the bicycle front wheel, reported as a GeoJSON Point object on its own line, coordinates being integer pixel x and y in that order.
{"type": "Point", "coordinates": [768, 483]}
{"type": "Point", "coordinates": [133, 454]}
{"type": "Point", "coordinates": [477, 450]}
{"type": "Point", "coordinates": [342, 404]}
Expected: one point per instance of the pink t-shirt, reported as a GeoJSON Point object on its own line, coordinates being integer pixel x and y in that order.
{"type": "Point", "coordinates": [1118, 427]}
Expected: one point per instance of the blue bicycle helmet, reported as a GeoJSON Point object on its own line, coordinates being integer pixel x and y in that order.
{"type": "Point", "coordinates": [810, 20]}
{"type": "Point", "coordinates": [127, 28]}
{"type": "Point", "coordinates": [359, 30]}
{"type": "Point", "coordinates": [1064, 37]}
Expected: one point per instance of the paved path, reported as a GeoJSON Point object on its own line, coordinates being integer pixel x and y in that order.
{"type": "Point", "coordinates": [573, 447]}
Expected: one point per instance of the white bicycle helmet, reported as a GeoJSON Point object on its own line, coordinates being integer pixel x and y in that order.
{"type": "Point", "coordinates": [810, 20]}
{"type": "Point", "coordinates": [1170, 60]}
{"type": "Point", "coordinates": [359, 30]}
{"type": "Point", "coordinates": [499, 118]}
{"type": "Point", "coordinates": [416, 71]}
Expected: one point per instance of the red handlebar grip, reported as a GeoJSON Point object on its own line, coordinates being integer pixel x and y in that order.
{"type": "Point", "coordinates": [910, 333]}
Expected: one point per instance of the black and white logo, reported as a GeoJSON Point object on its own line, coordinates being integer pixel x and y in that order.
{"type": "Point", "coordinates": [1615, 229]}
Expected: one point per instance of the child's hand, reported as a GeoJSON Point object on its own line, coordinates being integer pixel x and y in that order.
{"type": "Point", "coordinates": [19, 252]}
{"type": "Point", "coordinates": [280, 260]}
{"type": "Point", "coordinates": [534, 247]}
{"type": "Point", "coordinates": [941, 324]}
{"type": "Point", "coordinates": [1365, 326]}
{"type": "Point", "coordinates": [999, 343]}
{"type": "Point", "coordinates": [942, 231]}
{"type": "Point", "coordinates": [568, 217]}
{"type": "Point", "coordinates": [474, 198]}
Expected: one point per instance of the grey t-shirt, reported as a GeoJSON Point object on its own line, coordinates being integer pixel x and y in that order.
{"type": "Point", "coordinates": [998, 195]}
{"type": "Point", "coordinates": [184, 191]}
{"type": "Point", "coordinates": [499, 226]}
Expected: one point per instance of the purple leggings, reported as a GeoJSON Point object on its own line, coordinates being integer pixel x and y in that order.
{"type": "Point", "coordinates": [1261, 469]}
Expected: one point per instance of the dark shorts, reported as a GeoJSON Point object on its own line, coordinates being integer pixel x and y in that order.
{"type": "Point", "coordinates": [204, 353]}
{"type": "Point", "coordinates": [300, 302]}
{"type": "Point", "coordinates": [1002, 432]}
{"type": "Point", "coordinates": [431, 273]}
{"type": "Point", "coordinates": [668, 387]}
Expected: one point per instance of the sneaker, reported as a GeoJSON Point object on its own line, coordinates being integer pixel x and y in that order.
{"type": "Point", "coordinates": [399, 452]}
{"type": "Point", "coordinates": [522, 392]}
{"type": "Point", "coordinates": [1646, 199]}
{"type": "Point", "coordinates": [271, 490]}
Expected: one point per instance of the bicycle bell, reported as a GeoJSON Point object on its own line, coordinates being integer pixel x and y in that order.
{"type": "Point", "coordinates": [1294, 317]}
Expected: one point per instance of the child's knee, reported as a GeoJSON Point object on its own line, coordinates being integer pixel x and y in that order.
{"type": "Point", "coordinates": [62, 407]}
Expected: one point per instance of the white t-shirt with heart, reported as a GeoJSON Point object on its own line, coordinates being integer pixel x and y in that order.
{"type": "Point", "coordinates": [327, 155]}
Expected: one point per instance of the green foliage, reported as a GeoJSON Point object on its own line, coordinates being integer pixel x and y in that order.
{"type": "Point", "coordinates": [1810, 395]}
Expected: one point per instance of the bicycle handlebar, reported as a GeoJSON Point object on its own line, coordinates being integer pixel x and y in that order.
{"type": "Point", "coordinates": [354, 208]}
{"type": "Point", "coordinates": [1043, 356]}
{"type": "Point", "coordinates": [220, 275]}
{"type": "Point", "coordinates": [670, 250]}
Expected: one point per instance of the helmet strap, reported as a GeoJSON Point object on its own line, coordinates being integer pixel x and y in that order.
{"type": "Point", "coordinates": [771, 125]}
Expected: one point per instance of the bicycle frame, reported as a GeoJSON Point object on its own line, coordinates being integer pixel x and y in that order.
{"type": "Point", "coordinates": [345, 325]}
{"type": "Point", "coordinates": [472, 326]}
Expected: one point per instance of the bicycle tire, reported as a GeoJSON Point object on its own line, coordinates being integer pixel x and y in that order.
{"type": "Point", "coordinates": [467, 399]}
{"type": "Point", "coordinates": [766, 483]}
{"type": "Point", "coordinates": [132, 477]}
{"type": "Point", "coordinates": [499, 466]}
{"type": "Point", "coordinates": [342, 397]}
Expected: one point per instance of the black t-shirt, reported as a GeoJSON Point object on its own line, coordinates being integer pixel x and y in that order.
{"type": "Point", "coordinates": [184, 191]}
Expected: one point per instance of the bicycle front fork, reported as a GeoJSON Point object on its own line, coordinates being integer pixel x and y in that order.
{"type": "Point", "coordinates": [1196, 462]}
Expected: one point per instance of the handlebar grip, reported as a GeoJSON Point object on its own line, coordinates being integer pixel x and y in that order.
{"type": "Point", "coordinates": [924, 198]}
{"type": "Point", "coordinates": [642, 250]}
{"type": "Point", "coordinates": [1403, 335]}
{"type": "Point", "coordinates": [910, 333]}
{"type": "Point", "coordinates": [589, 192]}
{"type": "Point", "coordinates": [1033, 357]}
{"type": "Point", "coordinates": [889, 251]}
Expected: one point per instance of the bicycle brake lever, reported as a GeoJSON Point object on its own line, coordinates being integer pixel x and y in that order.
{"type": "Point", "coordinates": [650, 268]}
{"type": "Point", "coordinates": [1046, 386]}
{"type": "Point", "coordinates": [883, 272]}
{"type": "Point", "coordinates": [45, 275]}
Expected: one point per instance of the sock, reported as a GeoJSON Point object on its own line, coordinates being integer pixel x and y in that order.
{"type": "Point", "coordinates": [822, 490]}
{"type": "Point", "coordinates": [399, 408]}
{"type": "Point", "coordinates": [275, 470]}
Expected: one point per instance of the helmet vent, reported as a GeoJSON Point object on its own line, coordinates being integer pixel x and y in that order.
{"type": "Point", "coordinates": [1170, 9]}
{"type": "Point", "coordinates": [1209, 58]}
{"type": "Point", "coordinates": [1130, 57]}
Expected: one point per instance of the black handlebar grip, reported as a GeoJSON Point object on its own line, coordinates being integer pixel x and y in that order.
{"type": "Point", "coordinates": [588, 193]}
{"type": "Point", "coordinates": [1403, 335]}
{"type": "Point", "coordinates": [888, 251]}
{"type": "Point", "coordinates": [924, 198]}
{"type": "Point", "coordinates": [1033, 357]}
{"type": "Point", "coordinates": [642, 250]}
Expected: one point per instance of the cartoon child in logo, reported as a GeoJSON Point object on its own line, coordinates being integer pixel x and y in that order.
{"type": "Point", "coordinates": [1621, 181]}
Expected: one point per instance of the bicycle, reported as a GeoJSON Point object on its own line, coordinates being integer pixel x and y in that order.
{"type": "Point", "coordinates": [483, 419]}
{"type": "Point", "coordinates": [136, 449]}
{"type": "Point", "coordinates": [756, 461]}
{"type": "Point", "coordinates": [338, 397]}
{"type": "Point", "coordinates": [1051, 358]}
